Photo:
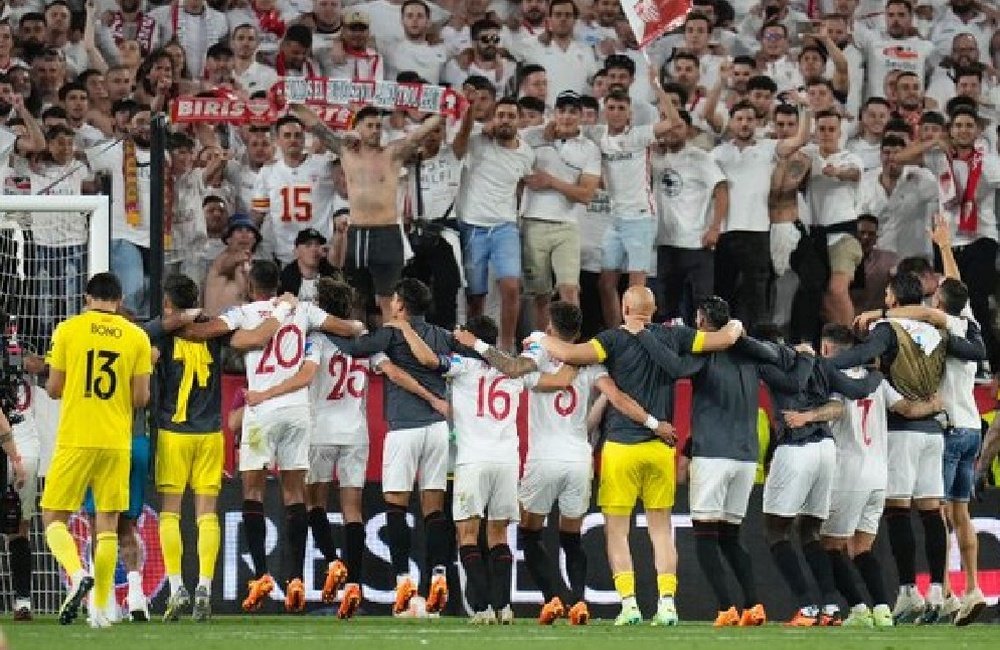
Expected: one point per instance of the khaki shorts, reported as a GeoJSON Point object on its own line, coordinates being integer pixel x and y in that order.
{"type": "Point", "coordinates": [547, 248]}
{"type": "Point", "coordinates": [845, 255]}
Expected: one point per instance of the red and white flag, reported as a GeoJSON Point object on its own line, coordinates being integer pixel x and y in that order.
{"type": "Point", "coordinates": [651, 19]}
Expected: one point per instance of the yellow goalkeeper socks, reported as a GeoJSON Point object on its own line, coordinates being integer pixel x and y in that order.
{"type": "Point", "coordinates": [105, 559]}
{"type": "Point", "coordinates": [666, 584]}
{"type": "Point", "coordinates": [625, 584]}
{"type": "Point", "coordinates": [171, 544]}
{"type": "Point", "coordinates": [209, 540]}
{"type": "Point", "coordinates": [63, 547]}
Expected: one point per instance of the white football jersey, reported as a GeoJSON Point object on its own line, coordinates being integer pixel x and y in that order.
{"type": "Point", "coordinates": [284, 353]}
{"type": "Point", "coordinates": [296, 198]}
{"type": "Point", "coordinates": [862, 438]}
{"type": "Point", "coordinates": [557, 421]}
{"type": "Point", "coordinates": [484, 405]}
{"type": "Point", "coordinates": [338, 394]}
{"type": "Point", "coordinates": [26, 431]}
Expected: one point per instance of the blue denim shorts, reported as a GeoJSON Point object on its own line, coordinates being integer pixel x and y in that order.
{"type": "Point", "coordinates": [497, 248]}
{"type": "Point", "coordinates": [961, 446]}
{"type": "Point", "coordinates": [628, 245]}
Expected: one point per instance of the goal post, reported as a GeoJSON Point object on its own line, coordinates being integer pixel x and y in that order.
{"type": "Point", "coordinates": [98, 206]}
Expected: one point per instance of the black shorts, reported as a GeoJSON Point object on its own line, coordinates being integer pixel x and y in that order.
{"type": "Point", "coordinates": [378, 251]}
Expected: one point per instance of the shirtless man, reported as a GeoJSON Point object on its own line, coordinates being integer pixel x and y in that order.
{"type": "Point", "coordinates": [374, 237]}
{"type": "Point", "coordinates": [226, 283]}
{"type": "Point", "coordinates": [787, 178]}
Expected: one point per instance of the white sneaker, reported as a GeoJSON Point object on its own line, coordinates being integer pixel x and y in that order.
{"type": "Point", "coordinates": [933, 607]}
{"type": "Point", "coordinates": [99, 620]}
{"type": "Point", "coordinates": [909, 605]}
{"type": "Point", "coordinates": [506, 616]}
{"type": "Point", "coordinates": [138, 608]}
{"type": "Point", "coordinates": [485, 617]}
{"type": "Point", "coordinates": [973, 604]}
{"type": "Point", "coordinates": [952, 604]}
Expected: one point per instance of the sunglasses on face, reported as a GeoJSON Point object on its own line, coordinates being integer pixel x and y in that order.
{"type": "Point", "coordinates": [489, 40]}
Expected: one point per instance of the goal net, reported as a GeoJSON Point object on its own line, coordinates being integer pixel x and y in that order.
{"type": "Point", "coordinates": [49, 246]}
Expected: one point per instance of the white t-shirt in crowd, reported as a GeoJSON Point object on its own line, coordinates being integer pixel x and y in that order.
{"type": "Point", "coordinates": [484, 405]}
{"type": "Point", "coordinates": [567, 160]}
{"type": "Point", "coordinates": [569, 69]}
{"type": "Point", "coordinates": [749, 173]}
{"type": "Point", "coordinates": [831, 200]}
{"type": "Point", "coordinates": [883, 55]}
{"type": "Point", "coordinates": [683, 183]}
{"type": "Point", "coordinates": [338, 393]}
{"type": "Point", "coordinates": [109, 158]}
{"type": "Point", "coordinates": [439, 181]}
{"type": "Point", "coordinates": [59, 228]}
{"type": "Point", "coordinates": [625, 162]}
{"type": "Point", "coordinates": [906, 214]}
{"type": "Point", "coordinates": [492, 173]}
{"type": "Point", "coordinates": [594, 223]}
{"type": "Point", "coordinates": [417, 56]}
{"type": "Point", "coordinates": [284, 353]}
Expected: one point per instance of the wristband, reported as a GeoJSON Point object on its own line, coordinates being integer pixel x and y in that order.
{"type": "Point", "coordinates": [651, 423]}
{"type": "Point", "coordinates": [281, 311]}
{"type": "Point", "coordinates": [480, 347]}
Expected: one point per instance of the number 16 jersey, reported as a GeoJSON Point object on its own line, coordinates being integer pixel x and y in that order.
{"type": "Point", "coordinates": [284, 352]}
{"type": "Point", "coordinates": [484, 406]}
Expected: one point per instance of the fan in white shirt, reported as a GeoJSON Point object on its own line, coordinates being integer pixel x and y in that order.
{"type": "Point", "coordinates": [569, 63]}
{"type": "Point", "coordinates": [832, 194]}
{"type": "Point", "coordinates": [416, 52]}
{"type": "Point", "coordinates": [295, 192]}
{"type": "Point", "coordinates": [251, 75]}
{"type": "Point", "coordinates": [899, 51]}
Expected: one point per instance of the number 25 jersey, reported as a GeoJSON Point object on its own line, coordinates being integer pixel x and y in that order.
{"type": "Point", "coordinates": [283, 354]}
{"type": "Point", "coordinates": [100, 354]}
{"type": "Point", "coordinates": [338, 394]}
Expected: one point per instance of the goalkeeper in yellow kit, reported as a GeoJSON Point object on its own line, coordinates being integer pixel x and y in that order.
{"type": "Point", "coordinates": [100, 365]}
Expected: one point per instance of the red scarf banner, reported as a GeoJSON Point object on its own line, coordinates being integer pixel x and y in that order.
{"type": "Point", "coordinates": [651, 19]}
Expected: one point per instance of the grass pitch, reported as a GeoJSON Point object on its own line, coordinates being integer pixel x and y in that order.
{"type": "Point", "coordinates": [308, 632]}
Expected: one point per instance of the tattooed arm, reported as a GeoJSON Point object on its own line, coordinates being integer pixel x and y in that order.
{"type": "Point", "coordinates": [333, 140]}
{"type": "Point", "coordinates": [513, 367]}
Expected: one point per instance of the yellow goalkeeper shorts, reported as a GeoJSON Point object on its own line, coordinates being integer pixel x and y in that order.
{"type": "Point", "coordinates": [74, 469]}
{"type": "Point", "coordinates": [194, 459]}
{"type": "Point", "coordinates": [644, 470]}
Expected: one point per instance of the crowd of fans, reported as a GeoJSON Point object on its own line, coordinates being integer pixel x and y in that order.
{"type": "Point", "coordinates": [827, 132]}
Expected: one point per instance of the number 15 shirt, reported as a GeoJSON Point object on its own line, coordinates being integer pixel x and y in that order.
{"type": "Point", "coordinates": [295, 198]}
{"type": "Point", "coordinates": [284, 353]}
{"type": "Point", "coordinates": [100, 353]}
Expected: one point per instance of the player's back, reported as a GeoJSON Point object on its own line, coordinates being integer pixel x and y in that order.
{"type": "Point", "coordinates": [862, 437]}
{"type": "Point", "coordinates": [338, 392]}
{"type": "Point", "coordinates": [484, 407]}
{"type": "Point", "coordinates": [557, 421]}
{"type": "Point", "coordinates": [100, 353]}
{"type": "Point", "coordinates": [283, 354]}
{"type": "Point", "coordinates": [637, 375]}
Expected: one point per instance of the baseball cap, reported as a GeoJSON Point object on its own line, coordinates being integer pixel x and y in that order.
{"type": "Point", "coordinates": [568, 98]}
{"type": "Point", "coordinates": [240, 220]}
{"type": "Point", "coordinates": [309, 235]}
{"type": "Point", "coordinates": [356, 17]}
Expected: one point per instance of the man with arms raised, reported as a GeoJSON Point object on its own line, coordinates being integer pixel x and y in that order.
{"type": "Point", "coordinates": [374, 238]}
{"type": "Point", "coordinates": [638, 459]}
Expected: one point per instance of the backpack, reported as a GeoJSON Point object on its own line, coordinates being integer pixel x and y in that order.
{"type": "Point", "coordinates": [915, 374]}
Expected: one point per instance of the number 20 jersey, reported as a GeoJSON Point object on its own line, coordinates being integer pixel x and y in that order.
{"type": "Point", "coordinates": [557, 422]}
{"type": "Point", "coordinates": [283, 354]}
{"type": "Point", "coordinates": [338, 394]}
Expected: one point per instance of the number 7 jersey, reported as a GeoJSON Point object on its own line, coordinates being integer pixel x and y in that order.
{"type": "Point", "coordinates": [862, 438]}
{"type": "Point", "coordinates": [284, 352]}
